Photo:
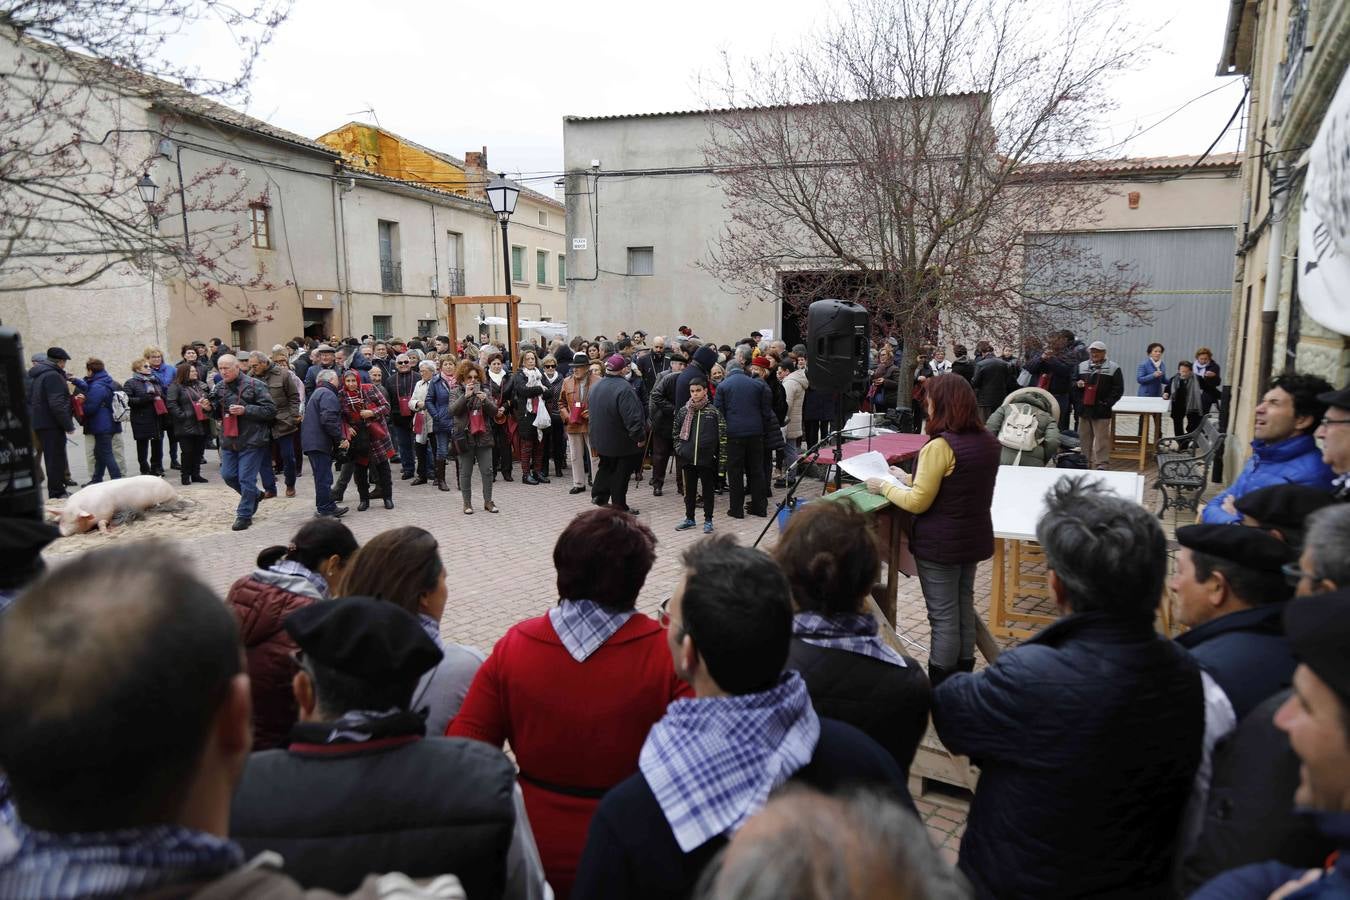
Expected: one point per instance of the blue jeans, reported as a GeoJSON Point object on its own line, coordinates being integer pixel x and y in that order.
{"type": "Point", "coordinates": [103, 458]}
{"type": "Point", "coordinates": [321, 465]}
{"type": "Point", "coordinates": [286, 447]}
{"type": "Point", "coordinates": [403, 442]}
{"type": "Point", "coordinates": [240, 470]}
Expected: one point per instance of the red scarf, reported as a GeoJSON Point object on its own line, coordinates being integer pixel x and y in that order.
{"type": "Point", "coordinates": [693, 409]}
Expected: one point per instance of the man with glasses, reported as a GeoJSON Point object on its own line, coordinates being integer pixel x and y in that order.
{"type": "Point", "coordinates": [401, 385]}
{"type": "Point", "coordinates": [1250, 815]}
{"type": "Point", "coordinates": [1335, 438]}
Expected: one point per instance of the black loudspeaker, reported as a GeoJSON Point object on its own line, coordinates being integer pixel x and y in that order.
{"type": "Point", "coordinates": [836, 345]}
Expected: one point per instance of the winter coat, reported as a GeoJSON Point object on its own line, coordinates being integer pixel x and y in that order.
{"type": "Point", "coordinates": [285, 396]}
{"type": "Point", "coordinates": [617, 423]}
{"type": "Point", "coordinates": [1046, 410]}
{"type": "Point", "coordinates": [1246, 652]}
{"type": "Point", "coordinates": [503, 394]}
{"type": "Point", "coordinates": [261, 602]}
{"type": "Point", "coordinates": [98, 394]}
{"type": "Point", "coordinates": [661, 402]}
{"type": "Point", "coordinates": [706, 446]}
{"type": "Point", "coordinates": [965, 367]}
{"type": "Point", "coordinates": [438, 405]}
{"type": "Point", "coordinates": [747, 405]}
{"type": "Point", "coordinates": [255, 424]}
{"type": "Point", "coordinates": [887, 396]}
{"type": "Point", "coordinates": [552, 394]}
{"type": "Point", "coordinates": [652, 366]}
{"type": "Point", "coordinates": [380, 446]}
{"type": "Point", "coordinates": [526, 396]}
{"type": "Point", "coordinates": [460, 404]}
{"type": "Point", "coordinates": [1110, 388]}
{"type": "Point", "coordinates": [1088, 737]}
{"type": "Point", "coordinates": [300, 362]}
{"type": "Point", "coordinates": [1295, 460]}
{"type": "Point", "coordinates": [142, 390]}
{"type": "Point", "coordinates": [49, 400]}
{"type": "Point", "coordinates": [202, 366]}
{"type": "Point", "coordinates": [1150, 386]}
{"type": "Point", "coordinates": [312, 375]}
{"type": "Point", "coordinates": [1060, 371]}
{"type": "Point", "coordinates": [795, 387]}
{"type": "Point", "coordinates": [182, 399]}
{"type": "Point", "coordinates": [574, 392]}
{"type": "Point", "coordinates": [1210, 385]}
{"type": "Point", "coordinates": [1262, 880]}
{"type": "Point", "coordinates": [700, 366]}
{"type": "Point", "coordinates": [993, 381]}
{"type": "Point", "coordinates": [164, 374]}
{"type": "Point", "coordinates": [1178, 393]}
{"type": "Point", "coordinates": [321, 430]}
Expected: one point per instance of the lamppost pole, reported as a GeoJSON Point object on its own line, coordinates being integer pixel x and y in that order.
{"type": "Point", "coordinates": [502, 195]}
{"type": "Point", "coordinates": [506, 254]}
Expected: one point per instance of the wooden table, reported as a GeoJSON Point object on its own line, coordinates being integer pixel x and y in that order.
{"type": "Point", "coordinates": [1019, 503]}
{"type": "Point", "coordinates": [1150, 411]}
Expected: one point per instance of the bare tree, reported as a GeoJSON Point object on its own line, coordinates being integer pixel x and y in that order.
{"type": "Point", "coordinates": [923, 157]}
{"type": "Point", "coordinates": [87, 90]}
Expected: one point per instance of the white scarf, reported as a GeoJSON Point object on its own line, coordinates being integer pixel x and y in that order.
{"type": "Point", "coordinates": [497, 376]}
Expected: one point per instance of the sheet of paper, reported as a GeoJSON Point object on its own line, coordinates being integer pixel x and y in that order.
{"type": "Point", "coordinates": [871, 465]}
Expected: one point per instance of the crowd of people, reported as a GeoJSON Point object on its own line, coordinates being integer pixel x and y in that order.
{"type": "Point", "coordinates": [315, 735]}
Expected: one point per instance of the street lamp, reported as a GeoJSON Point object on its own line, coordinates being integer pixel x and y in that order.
{"type": "Point", "coordinates": [502, 194]}
{"type": "Point", "coordinates": [148, 189]}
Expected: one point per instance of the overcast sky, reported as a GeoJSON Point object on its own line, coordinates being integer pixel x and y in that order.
{"type": "Point", "coordinates": [456, 76]}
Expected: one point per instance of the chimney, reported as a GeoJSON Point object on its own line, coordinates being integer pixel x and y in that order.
{"type": "Point", "coordinates": [476, 171]}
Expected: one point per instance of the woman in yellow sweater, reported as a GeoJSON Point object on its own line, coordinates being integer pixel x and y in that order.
{"type": "Point", "coordinates": [950, 496]}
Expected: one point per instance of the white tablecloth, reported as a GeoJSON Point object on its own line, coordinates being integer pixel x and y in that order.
{"type": "Point", "coordinates": [1141, 405]}
{"type": "Point", "coordinates": [1019, 495]}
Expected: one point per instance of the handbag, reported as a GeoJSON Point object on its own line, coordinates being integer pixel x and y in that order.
{"type": "Point", "coordinates": [378, 432]}
{"type": "Point", "coordinates": [403, 409]}
{"type": "Point", "coordinates": [917, 393]}
{"type": "Point", "coordinates": [160, 408]}
{"type": "Point", "coordinates": [197, 411]}
{"type": "Point", "coordinates": [1023, 378]}
{"type": "Point", "coordinates": [419, 423]}
{"type": "Point", "coordinates": [229, 425]}
{"type": "Point", "coordinates": [476, 423]}
{"type": "Point", "coordinates": [1043, 382]}
{"type": "Point", "coordinates": [541, 417]}
{"type": "Point", "coordinates": [1090, 395]}
{"type": "Point", "coordinates": [77, 407]}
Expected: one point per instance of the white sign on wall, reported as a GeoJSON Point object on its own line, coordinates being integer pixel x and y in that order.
{"type": "Point", "coordinates": [1324, 225]}
{"type": "Point", "coordinates": [579, 243]}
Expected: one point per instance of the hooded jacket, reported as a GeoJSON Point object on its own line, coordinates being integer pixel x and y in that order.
{"type": "Point", "coordinates": [98, 393]}
{"type": "Point", "coordinates": [795, 387]}
{"type": "Point", "coordinates": [49, 401]}
{"type": "Point", "coordinates": [1295, 460]}
{"type": "Point", "coordinates": [1046, 410]}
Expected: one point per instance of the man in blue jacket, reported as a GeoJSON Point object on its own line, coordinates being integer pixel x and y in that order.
{"type": "Point", "coordinates": [1285, 451]}
{"type": "Point", "coordinates": [1317, 720]}
{"type": "Point", "coordinates": [321, 438]}
{"type": "Point", "coordinates": [747, 404]}
{"type": "Point", "coordinates": [1089, 735]}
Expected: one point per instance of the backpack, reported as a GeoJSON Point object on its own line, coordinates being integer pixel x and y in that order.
{"type": "Point", "coordinates": [121, 407]}
{"type": "Point", "coordinates": [1019, 428]}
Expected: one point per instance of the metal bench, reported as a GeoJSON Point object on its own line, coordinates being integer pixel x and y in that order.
{"type": "Point", "coordinates": [1184, 462]}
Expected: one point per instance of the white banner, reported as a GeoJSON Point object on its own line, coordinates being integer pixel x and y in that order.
{"type": "Point", "coordinates": [1324, 224]}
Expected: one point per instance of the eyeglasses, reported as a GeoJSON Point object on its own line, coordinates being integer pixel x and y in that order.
{"type": "Point", "coordinates": [1327, 423]}
{"type": "Point", "coordinates": [548, 366]}
{"type": "Point", "coordinates": [1294, 574]}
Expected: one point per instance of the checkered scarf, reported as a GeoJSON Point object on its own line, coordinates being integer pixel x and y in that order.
{"type": "Point", "coordinates": [291, 567]}
{"type": "Point", "coordinates": [711, 762]}
{"type": "Point", "coordinates": [854, 632]}
{"type": "Point", "coordinates": [113, 863]}
{"type": "Point", "coordinates": [583, 626]}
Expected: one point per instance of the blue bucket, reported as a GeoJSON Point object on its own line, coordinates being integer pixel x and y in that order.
{"type": "Point", "coordinates": [785, 514]}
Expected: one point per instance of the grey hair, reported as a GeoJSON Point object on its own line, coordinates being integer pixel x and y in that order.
{"type": "Point", "coordinates": [1109, 553]}
{"type": "Point", "coordinates": [809, 845]}
{"type": "Point", "coordinates": [259, 356]}
{"type": "Point", "coordinates": [426, 364]}
{"type": "Point", "coordinates": [327, 375]}
{"type": "Point", "coordinates": [1328, 541]}
{"type": "Point", "coordinates": [745, 353]}
{"type": "Point", "coordinates": [403, 357]}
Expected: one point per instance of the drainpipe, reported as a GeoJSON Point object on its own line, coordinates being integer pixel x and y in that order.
{"type": "Point", "coordinates": [1270, 303]}
{"type": "Point", "coordinates": [343, 189]}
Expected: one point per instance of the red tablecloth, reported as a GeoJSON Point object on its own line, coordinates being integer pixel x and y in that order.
{"type": "Point", "coordinates": [895, 447]}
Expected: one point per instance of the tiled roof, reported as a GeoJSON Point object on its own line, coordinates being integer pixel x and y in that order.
{"type": "Point", "coordinates": [173, 97]}
{"type": "Point", "coordinates": [726, 109]}
{"type": "Point", "coordinates": [1144, 164]}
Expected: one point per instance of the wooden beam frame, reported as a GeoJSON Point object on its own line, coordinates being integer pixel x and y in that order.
{"type": "Point", "coordinates": [510, 301]}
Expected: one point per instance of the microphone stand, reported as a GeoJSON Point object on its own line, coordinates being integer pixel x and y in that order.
{"type": "Point", "coordinates": [837, 436]}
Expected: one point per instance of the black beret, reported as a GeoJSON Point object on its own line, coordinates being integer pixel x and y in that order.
{"type": "Point", "coordinates": [1250, 548]}
{"type": "Point", "coordinates": [364, 637]}
{"type": "Point", "coordinates": [1283, 505]}
{"type": "Point", "coordinates": [1339, 399]}
{"type": "Point", "coordinates": [57, 353]}
{"type": "Point", "coordinates": [1318, 628]}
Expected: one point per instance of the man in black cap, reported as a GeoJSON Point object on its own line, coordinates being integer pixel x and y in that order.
{"type": "Point", "coordinates": [1282, 510]}
{"type": "Point", "coordinates": [1316, 719]}
{"type": "Point", "coordinates": [49, 407]}
{"type": "Point", "coordinates": [323, 357]}
{"type": "Point", "coordinates": [360, 789]}
{"type": "Point", "coordinates": [1229, 591]}
{"type": "Point", "coordinates": [1335, 438]}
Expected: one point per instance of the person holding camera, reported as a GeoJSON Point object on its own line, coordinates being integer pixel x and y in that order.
{"type": "Point", "coordinates": [472, 408]}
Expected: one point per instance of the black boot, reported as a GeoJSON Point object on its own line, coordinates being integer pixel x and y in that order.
{"type": "Point", "coordinates": [527, 478]}
{"type": "Point", "coordinates": [185, 478]}
{"type": "Point", "coordinates": [937, 674]}
{"type": "Point", "coordinates": [542, 477]}
{"type": "Point", "coordinates": [440, 476]}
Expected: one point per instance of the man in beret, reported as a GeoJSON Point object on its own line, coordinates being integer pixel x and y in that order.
{"type": "Point", "coordinates": [51, 416]}
{"type": "Point", "coordinates": [1229, 591]}
{"type": "Point", "coordinates": [1335, 438]}
{"type": "Point", "coordinates": [360, 789]}
{"type": "Point", "coordinates": [1283, 510]}
{"type": "Point", "coordinates": [1316, 719]}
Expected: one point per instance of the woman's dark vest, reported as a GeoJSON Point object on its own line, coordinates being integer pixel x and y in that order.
{"type": "Point", "coordinates": [958, 528]}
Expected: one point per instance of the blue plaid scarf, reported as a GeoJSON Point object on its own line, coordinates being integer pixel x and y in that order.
{"type": "Point", "coordinates": [291, 567]}
{"type": "Point", "coordinates": [113, 863]}
{"type": "Point", "coordinates": [432, 628]}
{"type": "Point", "coordinates": [583, 626]}
{"type": "Point", "coordinates": [711, 762]}
{"type": "Point", "coordinates": [854, 632]}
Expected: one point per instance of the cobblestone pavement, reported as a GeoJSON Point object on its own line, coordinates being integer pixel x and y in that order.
{"type": "Point", "coordinates": [499, 566]}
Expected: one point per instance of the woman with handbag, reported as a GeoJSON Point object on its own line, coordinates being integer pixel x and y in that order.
{"type": "Point", "coordinates": [145, 395]}
{"type": "Point", "coordinates": [99, 423]}
{"type": "Point", "coordinates": [442, 425]}
{"type": "Point", "coordinates": [498, 385]}
{"type": "Point", "coordinates": [191, 416]}
{"type": "Point", "coordinates": [555, 439]}
{"type": "Point", "coordinates": [473, 409]}
{"type": "Point", "coordinates": [364, 412]}
{"type": "Point", "coordinates": [527, 388]}
{"type": "Point", "coordinates": [424, 445]}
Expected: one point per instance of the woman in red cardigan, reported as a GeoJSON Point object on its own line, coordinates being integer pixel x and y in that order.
{"type": "Point", "coordinates": [575, 691]}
